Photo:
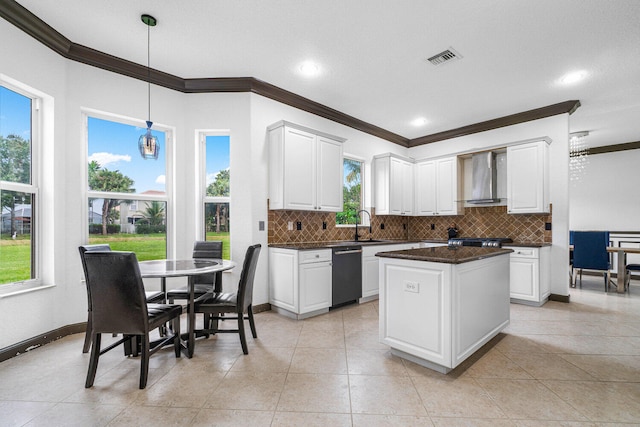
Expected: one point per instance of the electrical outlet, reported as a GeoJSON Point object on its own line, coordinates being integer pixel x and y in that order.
{"type": "Point", "coordinates": [260, 225]}
{"type": "Point", "coordinates": [290, 225]}
{"type": "Point", "coordinates": [324, 225]}
{"type": "Point", "coordinates": [382, 226]}
{"type": "Point", "coordinates": [298, 225]}
{"type": "Point", "coordinates": [547, 226]}
{"type": "Point", "coordinates": [433, 226]}
{"type": "Point", "coordinates": [412, 287]}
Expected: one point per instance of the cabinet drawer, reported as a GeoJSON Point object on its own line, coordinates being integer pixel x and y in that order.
{"type": "Point", "coordinates": [306, 257]}
{"type": "Point", "coordinates": [525, 253]}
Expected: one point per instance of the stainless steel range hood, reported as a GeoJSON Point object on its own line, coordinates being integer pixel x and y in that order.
{"type": "Point", "coordinates": [484, 178]}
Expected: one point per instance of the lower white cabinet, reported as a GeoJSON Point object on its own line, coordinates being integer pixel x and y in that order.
{"type": "Point", "coordinates": [300, 281]}
{"type": "Point", "coordinates": [370, 282]}
{"type": "Point", "coordinates": [529, 277]}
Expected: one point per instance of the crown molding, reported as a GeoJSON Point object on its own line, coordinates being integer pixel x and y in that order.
{"type": "Point", "coordinates": [26, 21]}
{"type": "Point", "coordinates": [513, 119]}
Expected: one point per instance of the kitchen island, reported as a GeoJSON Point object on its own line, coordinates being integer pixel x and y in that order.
{"type": "Point", "coordinates": [439, 305]}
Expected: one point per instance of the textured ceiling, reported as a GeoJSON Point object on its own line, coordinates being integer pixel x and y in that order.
{"type": "Point", "coordinates": [372, 53]}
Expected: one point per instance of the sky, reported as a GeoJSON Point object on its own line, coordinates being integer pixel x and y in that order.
{"type": "Point", "coordinates": [115, 145]}
{"type": "Point", "coordinates": [15, 114]}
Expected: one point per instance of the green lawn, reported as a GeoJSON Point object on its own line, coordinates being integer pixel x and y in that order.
{"type": "Point", "coordinates": [15, 255]}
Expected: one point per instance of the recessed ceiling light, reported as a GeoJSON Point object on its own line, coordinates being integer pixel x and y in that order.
{"type": "Point", "coordinates": [420, 121]}
{"type": "Point", "coordinates": [573, 77]}
{"type": "Point", "coordinates": [309, 69]}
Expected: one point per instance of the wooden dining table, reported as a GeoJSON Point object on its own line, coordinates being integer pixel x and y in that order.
{"type": "Point", "coordinates": [190, 268]}
{"type": "Point", "coordinates": [622, 264]}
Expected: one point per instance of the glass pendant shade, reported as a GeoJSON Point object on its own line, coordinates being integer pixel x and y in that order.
{"type": "Point", "coordinates": [148, 144]}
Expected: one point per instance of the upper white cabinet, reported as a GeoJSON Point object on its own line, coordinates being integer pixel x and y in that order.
{"type": "Point", "coordinates": [528, 178]}
{"type": "Point", "coordinates": [393, 185]}
{"type": "Point", "coordinates": [437, 187]}
{"type": "Point", "coordinates": [305, 169]}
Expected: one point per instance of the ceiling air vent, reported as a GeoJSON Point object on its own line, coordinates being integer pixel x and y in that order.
{"type": "Point", "coordinates": [445, 56]}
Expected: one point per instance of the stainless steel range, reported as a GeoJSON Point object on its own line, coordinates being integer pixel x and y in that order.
{"type": "Point", "coordinates": [485, 242]}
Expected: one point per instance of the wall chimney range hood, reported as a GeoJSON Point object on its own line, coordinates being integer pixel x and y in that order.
{"type": "Point", "coordinates": [484, 178]}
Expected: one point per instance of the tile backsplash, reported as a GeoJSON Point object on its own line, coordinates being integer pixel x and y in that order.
{"type": "Point", "coordinates": [490, 221]}
{"type": "Point", "coordinates": [395, 227]}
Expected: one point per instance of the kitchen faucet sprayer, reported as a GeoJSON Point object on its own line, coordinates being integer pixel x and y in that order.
{"type": "Point", "coordinates": [358, 215]}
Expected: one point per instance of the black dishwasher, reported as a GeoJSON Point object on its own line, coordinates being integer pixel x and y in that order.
{"type": "Point", "coordinates": [346, 276]}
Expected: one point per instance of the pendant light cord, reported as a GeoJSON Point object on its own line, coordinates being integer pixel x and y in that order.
{"type": "Point", "coordinates": [148, 72]}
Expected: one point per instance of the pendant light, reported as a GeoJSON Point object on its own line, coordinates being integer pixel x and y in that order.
{"type": "Point", "coordinates": [147, 143]}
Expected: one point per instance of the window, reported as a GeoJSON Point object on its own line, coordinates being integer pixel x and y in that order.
{"type": "Point", "coordinates": [352, 192]}
{"type": "Point", "coordinates": [217, 191]}
{"type": "Point", "coordinates": [127, 195]}
{"type": "Point", "coordinates": [18, 185]}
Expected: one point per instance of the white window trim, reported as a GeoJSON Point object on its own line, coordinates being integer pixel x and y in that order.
{"type": "Point", "coordinates": [37, 240]}
{"type": "Point", "coordinates": [201, 178]}
{"type": "Point", "coordinates": [167, 198]}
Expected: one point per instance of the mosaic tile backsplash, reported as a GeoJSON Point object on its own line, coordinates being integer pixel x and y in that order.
{"type": "Point", "coordinates": [488, 221]}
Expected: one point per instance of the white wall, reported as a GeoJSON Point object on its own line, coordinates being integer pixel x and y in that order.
{"type": "Point", "coordinates": [72, 87]}
{"type": "Point", "coordinates": [606, 195]}
{"type": "Point", "coordinates": [557, 129]}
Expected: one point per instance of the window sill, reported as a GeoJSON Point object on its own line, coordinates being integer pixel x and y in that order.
{"type": "Point", "coordinates": [7, 291]}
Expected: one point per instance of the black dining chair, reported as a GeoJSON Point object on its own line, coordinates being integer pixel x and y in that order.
{"type": "Point", "coordinates": [590, 253]}
{"type": "Point", "coordinates": [119, 306]}
{"type": "Point", "coordinates": [630, 268]}
{"type": "Point", "coordinates": [152, 296]}
{"type": "Point", "coordinates": [237, 303]}
{"type": "Point", "coordinates": [211, 282]}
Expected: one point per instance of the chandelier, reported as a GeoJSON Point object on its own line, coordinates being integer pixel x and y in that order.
{"type": "Point", "coordinates": [147, 143]}
{"type": "Point", "coordinates": [578, 155]}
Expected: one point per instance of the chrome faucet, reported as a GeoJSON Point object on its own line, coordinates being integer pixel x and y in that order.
{"type": "Point", "coordinates": [357, 236]}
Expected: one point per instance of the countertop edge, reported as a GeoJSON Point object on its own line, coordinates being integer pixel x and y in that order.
{"type": "Point", "coordinates": [414, 255]}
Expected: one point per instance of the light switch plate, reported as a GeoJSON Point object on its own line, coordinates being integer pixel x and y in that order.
{"type": "Point", "coordinates": [290, 225]}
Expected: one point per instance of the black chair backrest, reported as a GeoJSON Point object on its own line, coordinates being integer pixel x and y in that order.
{"type": "Point", "coordinates": [104, 247]}
{"type": "Point", "coordinates": [117, 293]}
{"type": "Point", "coordinates": [590, 250]}
{"type": "Point", "coordinates": [208, 249]}
{"type": "Point", "coordinates": [245, 286]}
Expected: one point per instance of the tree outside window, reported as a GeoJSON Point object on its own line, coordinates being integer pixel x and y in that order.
{"type": "Point", "coordinates": [217, 218]}
{"type": "Point", "coordinates": [352, 192]}
{"type": "Point", "coordinates": [17, 189]}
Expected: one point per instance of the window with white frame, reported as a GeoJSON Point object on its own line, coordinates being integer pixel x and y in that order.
{"type": "Point", "coordinates": [19, 138]}
{"type": "Point", "coordinates": [351, 191]}
{"type": "Point", "coordinates": [217, 195]}
{"type": "Point", "coordinates": [128, 199]}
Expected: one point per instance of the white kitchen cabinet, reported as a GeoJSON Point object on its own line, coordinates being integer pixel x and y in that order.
{"type": "Point", "coordinates": [528, 178]}
{"type": "Point", "coordinates": [529, 275]}
{"type": "Point", "coordinates": [393, 185]}
{"type": "Point", "coordinates": [438, 188]}
{"type": "Point", "coordinates": [300, 281]}
{"type": "Point", "coordinates": [305, 169]}
{"type": "Point", "coordinates": [370, 273]}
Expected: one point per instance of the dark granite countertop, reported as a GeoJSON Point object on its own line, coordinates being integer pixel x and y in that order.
{"type": "Point", "coordinates": [528, 244]}
{"type": "Point", "coordinates": [328, 245]}
{"type": "Point", "coordinates": [446, 254]}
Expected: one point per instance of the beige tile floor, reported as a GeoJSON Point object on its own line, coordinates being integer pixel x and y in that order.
{"type": "Point", "coordinates": [575, 364]}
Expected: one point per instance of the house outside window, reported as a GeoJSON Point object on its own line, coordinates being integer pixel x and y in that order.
{"type": "Point", "coordinates": [19, 185]}
{"type": "Point", "coordinates": [352, 192]}
{"type": "Point", "coordinates": [127, 194]}
{"type": "Point", "coordinates": [217, 197]}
